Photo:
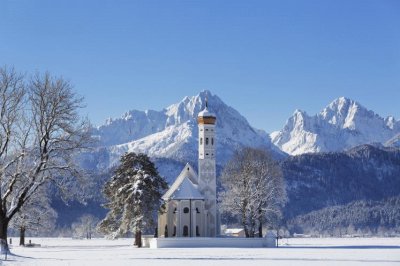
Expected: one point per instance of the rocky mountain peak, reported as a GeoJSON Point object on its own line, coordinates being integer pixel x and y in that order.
{"type": "Point", "coordinates": [342, 124]}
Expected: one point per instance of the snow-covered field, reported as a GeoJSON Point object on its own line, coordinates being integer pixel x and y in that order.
{"type": "Point", "coordinates": [306, 251]}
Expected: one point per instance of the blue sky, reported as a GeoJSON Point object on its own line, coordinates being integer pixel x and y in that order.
{"type": "Point", "coordinates": [264, 58]}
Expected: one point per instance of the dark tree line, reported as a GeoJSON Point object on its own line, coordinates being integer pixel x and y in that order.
{"type": "Point", "coordinates": [356, 218]}
{"type": "Point", "coordinates": [316, 181]}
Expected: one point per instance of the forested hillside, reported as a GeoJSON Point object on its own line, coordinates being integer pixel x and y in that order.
{"type": "Point", "coordinates": [358, 218]}
{"type": "Point", "coordinates": [316, 181]}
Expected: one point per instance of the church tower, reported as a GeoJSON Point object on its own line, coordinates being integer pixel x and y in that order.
{"type": "Point", "coordinates": [207, 171]}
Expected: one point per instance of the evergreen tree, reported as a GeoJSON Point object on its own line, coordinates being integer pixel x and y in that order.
{"type": "Point", "coordinates": [134, 193]}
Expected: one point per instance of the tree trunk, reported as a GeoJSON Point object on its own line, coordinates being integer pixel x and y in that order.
{"type": "Point", "coordinates": [260, 233]}
{"type": "Point", "coordinates": [252, 228]}
{"type": "Point", "coordinates": [277, 237]}
{"type": "Point", "coordinates": [3, 235]}
{"type": "Point", "coordinates": [246, 230]}
{"type": "Point", "coordinates": [138, 239]}
{"type": "Point", "coordinates": [244, 221]}
{"type": "Point", "coordinates": [22, 236]}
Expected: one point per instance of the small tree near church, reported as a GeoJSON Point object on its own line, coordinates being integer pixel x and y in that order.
{"type": "Point", "coordinates": [253, 189]}
{"type": "Point", "coordinates": [134, 195]}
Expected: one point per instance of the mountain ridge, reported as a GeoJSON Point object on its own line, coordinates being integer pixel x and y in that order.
{"type": "Point", "coordinates": [314, 181]}
{"type": "Point", "coordinates": [341, 125]}
{"type": "Point", "coordinates": [172, 133]}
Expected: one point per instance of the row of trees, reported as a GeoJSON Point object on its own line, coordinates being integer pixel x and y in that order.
{"type": "Point", "coordinates": [40, 132]}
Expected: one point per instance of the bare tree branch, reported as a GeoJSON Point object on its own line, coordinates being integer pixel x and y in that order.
{"type": "Point", "coordinates": [253, 188]}
{"type": "Point", "coordinates": [40, 134]}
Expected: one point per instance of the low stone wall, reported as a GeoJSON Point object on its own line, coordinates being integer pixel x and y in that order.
{"type": "Point", "coordinates": [226, 242]}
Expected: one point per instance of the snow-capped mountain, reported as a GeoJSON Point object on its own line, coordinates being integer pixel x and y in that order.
{"type": "Point", "coordinates": [172, 133]}
{"type": "Point", "coordinates": [341, 125]}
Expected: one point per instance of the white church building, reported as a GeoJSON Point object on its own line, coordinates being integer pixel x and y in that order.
{"type": "Point", "coordinates": [191, 201]}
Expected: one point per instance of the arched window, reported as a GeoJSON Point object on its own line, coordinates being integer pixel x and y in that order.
{"type": "Point", "coordinates": [212, 141]}
{"type": "Point", "coordinates": [185, 230]}
{"type": "Point", "coordinates": [206, 141]}
{"type": "Point", "coordinates": [186, 210]}
{"type": "Point", "coordinates": [201, 141]}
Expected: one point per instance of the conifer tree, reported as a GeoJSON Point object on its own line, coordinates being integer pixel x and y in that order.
{"type": "Point", "coordinates": [134, 194]}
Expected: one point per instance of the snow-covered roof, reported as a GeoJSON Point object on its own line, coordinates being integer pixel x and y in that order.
{"type": "Point", "coordinates": [185, 186]}
{"type": "Point", "coordinates": [186, 190]}
{"type": "Point", "coordinates": [233, 230]}
{"type": "Point", "coordinates": [206, 113]}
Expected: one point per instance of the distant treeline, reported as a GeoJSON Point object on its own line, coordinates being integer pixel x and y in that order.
{"type": "Point", "coordinates": [358, 218]}
{"type": "Point", "coordinates": [320, 180]}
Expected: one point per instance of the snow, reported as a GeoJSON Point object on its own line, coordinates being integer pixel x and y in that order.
{"type": "Point", "coordinates": [295, 251]}
{"type": "Point", "coordinates": [187, 190]}
{"type": "Point", "coordinates": [233, 230]}
{"type": "Point", "coordinates": [206, 113]}
{"type": "Point", "coordinates": [208, 242]}
{"type": "Point", "coordinates": [172, 133]}
{"type": "Point", "coordinates": [184, 186]}
{"type": "Point", "coordinates": [341, 125]}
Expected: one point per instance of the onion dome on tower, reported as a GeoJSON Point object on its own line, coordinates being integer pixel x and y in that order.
{"type": "Point", "coordinates": [206, 117]}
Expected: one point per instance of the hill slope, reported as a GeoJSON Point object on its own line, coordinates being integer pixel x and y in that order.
{"type": "Point", "coordinates": [316, 181]}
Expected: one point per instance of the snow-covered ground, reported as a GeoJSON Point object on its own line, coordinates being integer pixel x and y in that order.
{"type": "Point", "coordinates": [306, 251]}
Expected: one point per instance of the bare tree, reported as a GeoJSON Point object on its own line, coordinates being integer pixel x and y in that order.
{"type": "Point", "coordinates": [40, 132]}
{"type": "Point", "coordinates": [85, 227]}
{"type": "Point", "coordinates": [36, 215]}
{"type": "Point", "coordinates": [253, 189]}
